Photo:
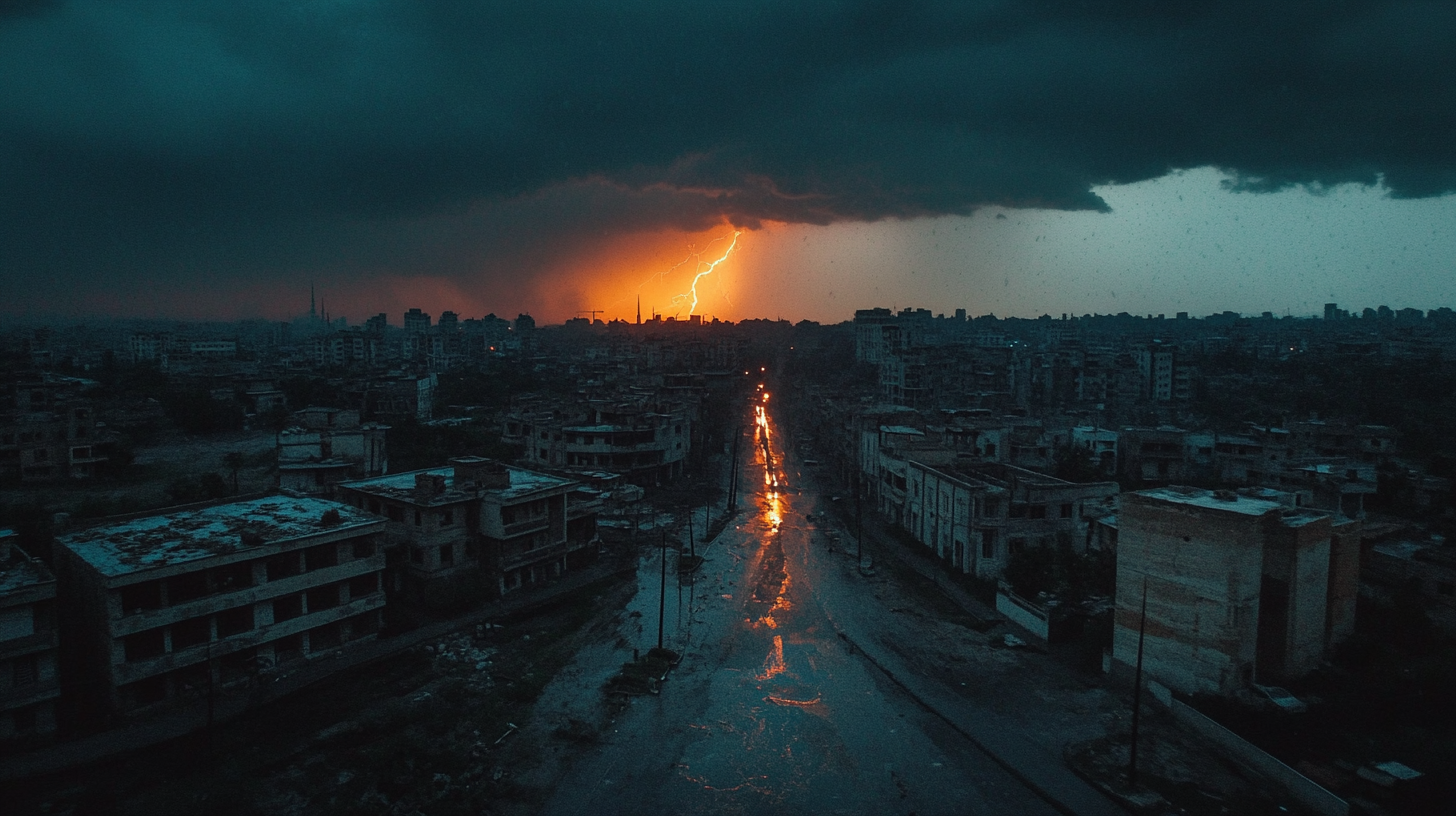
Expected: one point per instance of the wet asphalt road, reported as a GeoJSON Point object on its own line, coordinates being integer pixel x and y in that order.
{"type": "Point", "coordinates": [770, 711]}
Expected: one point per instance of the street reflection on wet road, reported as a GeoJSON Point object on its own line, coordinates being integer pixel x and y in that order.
{"type": "Point", "coordinates": [770, 712]}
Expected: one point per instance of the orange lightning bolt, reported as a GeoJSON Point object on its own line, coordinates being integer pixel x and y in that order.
{"type": "Point", "coordinates": [705, 268]}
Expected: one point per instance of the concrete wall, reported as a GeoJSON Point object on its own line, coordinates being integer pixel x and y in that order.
{"type": "Point", "coordinates": [1203, 574]}
{"type": "Point", "coordinates": [1023, 614]}
{"type": "Point", "coordinates": [1300, 787]}
{"type": "Point", "coordinates": [1344, 582]}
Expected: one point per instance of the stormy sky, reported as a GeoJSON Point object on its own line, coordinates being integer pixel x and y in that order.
{"type": "Point", "coordinates": [211, 159]}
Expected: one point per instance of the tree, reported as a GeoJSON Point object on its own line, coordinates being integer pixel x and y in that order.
{"type": "Point", "coordinates": [234, 461]}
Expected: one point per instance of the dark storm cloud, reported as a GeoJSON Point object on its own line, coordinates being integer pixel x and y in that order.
{"type": "Point", "coordinates": [256, 140]}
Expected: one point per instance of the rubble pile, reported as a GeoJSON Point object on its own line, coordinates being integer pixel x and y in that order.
{"type": "Point", "coordinates": [460, 655]}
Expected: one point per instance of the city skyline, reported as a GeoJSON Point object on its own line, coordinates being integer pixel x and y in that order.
{"type": "Point", "coordinates": [201, 162]}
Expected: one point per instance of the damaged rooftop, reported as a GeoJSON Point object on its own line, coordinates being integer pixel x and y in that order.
{"type": "Point", "coordinates": [176, 538]}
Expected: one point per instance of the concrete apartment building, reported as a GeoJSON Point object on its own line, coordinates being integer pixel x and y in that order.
{"type": "Point", "coordinates": [1241, 587]}
{"type": "Point", "coordinates": [328, 445]}
{"type": "Point", "coordinates": [647, 442]}
{"type": "Point", "coordinates": [975, 516]}
{"type": "Point", "coordinates": [28, 644]}
{"type": "Point", "coordinates": [167, 606]}
{"type": "Point", "coordinates": [48, 429]}
{"type": "Point", "coordinates": [518, 527]}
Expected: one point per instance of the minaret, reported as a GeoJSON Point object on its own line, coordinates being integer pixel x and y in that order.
{"type": "Point", "coordinates": [639, 310]}
{"type": "Point", "coordinates": [311, 312]}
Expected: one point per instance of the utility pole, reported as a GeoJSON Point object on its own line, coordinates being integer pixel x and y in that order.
{"type": "Point", "coordinates": [662, 595]}
{"type": "Point", "coordinates": [858, 526]}
{"type": "Point", "coordinates": [1137, 690]}
{"type": "Point", "coordinates": [210, 697]}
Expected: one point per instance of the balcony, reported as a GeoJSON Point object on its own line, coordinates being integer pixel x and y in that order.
{"type": "Point", "coordinates": [536, 556]}
{"type": "Point", "coordinates": [522, 527]}
{"type": "Point", "coordinates": [265, 591]}
{"type": "Point", "coordinates": [122, 673]}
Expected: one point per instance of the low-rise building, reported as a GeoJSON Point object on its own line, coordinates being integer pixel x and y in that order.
{"type": "Point", "coordinates": [328, 445]}
{"type": "Point", "coordinates": [647, 442]}
{"type": "Point", "coordinates": [168, 606]}
{"type": "Point", "coordinates": [517, 527]}
{"type": "Point", "coordinates": [976, 516]}
{"type": "Point", "coordinates": [28, 644]}
{"type": "Point", "coordinates": [1241, 587]}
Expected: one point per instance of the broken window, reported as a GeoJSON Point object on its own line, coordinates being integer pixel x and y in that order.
{"type": "Point", "coordinates": [144, 645]}
{"type": "Point", "coordinates": [361, 585]}
{"type": "Point", "coordinates": [187, 587]}
{"type": "Point", "coordinates": [324, 597]}
{"type": "Point", "coordinates": [235, 621]}
{"type": "Point", "coordinates": [282, 566]}
{"type": "Point", "coordinates": [189, 633]}
{"type": "Point", "coordinates": [324, 555]}
{"type": "Point", "coordinates": [141, 597]}
{"type": "Point", "coordinates": [287, 608]}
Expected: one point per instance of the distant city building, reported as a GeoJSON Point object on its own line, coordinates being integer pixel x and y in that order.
{"type": "Point", "coordinates": [976, 517]}
{"type": "Point", "coordinates": [324, 446]}
{"type": "Point", "coordinates": [48, 429]}
{"type": "Point", "coordinates": [647, 442]}
{"type": "Point", "coordinates": [416, 321]}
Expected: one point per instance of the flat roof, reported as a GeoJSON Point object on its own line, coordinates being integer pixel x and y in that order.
{"type": "Point", "coordinates": [1245, 505]}
{"type": "Point", "coordinates": [20, 572]}
{"type": "Point", "coordinates": [402, 485]}
{"type": "Point", "coordinates": [901, 429]}
{"type": "Point", "coordinates": [176, 538]}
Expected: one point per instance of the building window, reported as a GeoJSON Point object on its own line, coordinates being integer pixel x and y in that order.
{"type": "Point", "coordinates": [144, 645]}
{"type": "Point", "coordinates": [447, 554]}
{"type": "Point", "coordinates": [282, 566]}
{"type": "Point", "coordinates": [417, 555]}
{"type": "Point", "coordinates": [1036, 511]}
{"type": "Point", "coordinates": [24, 719]}
{"type": "Point", "coordinates": [287, 608]}
{"type": "Point", "coordinates": [447, 518]}
{"type": "Point", "coordinates": [189, 633]}
{"type": "Point", "coordinates": [363, 548]}
{"type": "Point", "coordinates": [361, 585]}
{"type": "Point", "coordinates": [419, 519]}
{"type": "Point", "coordinates": [1016, 546]}
{"type": "Point", "coordinates": [24, 671]}
{"type": "Point", "coordinates": [324, 597]}
{"type": "Point", "coordinates": [396, 513]}
{"type": "Point", "coordinates": [1066, 511]}
{"type": "Point", "coordinates": [988, 544]}
{"type": "Point", "coordinates": [186, 587]}
{"type": "Point", "coordinates": [321, 556]}
{"type": "Point", "coordinates": [235, 621]}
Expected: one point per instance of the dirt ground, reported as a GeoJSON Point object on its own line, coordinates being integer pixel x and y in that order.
{"type": "Point", "coordinates": [1072, 710]}
{"type": "Point", "coordinates": [174, 455]}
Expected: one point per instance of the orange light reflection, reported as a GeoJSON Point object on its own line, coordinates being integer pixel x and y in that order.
{"type": "Point", "coordinates": [774, 665]}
